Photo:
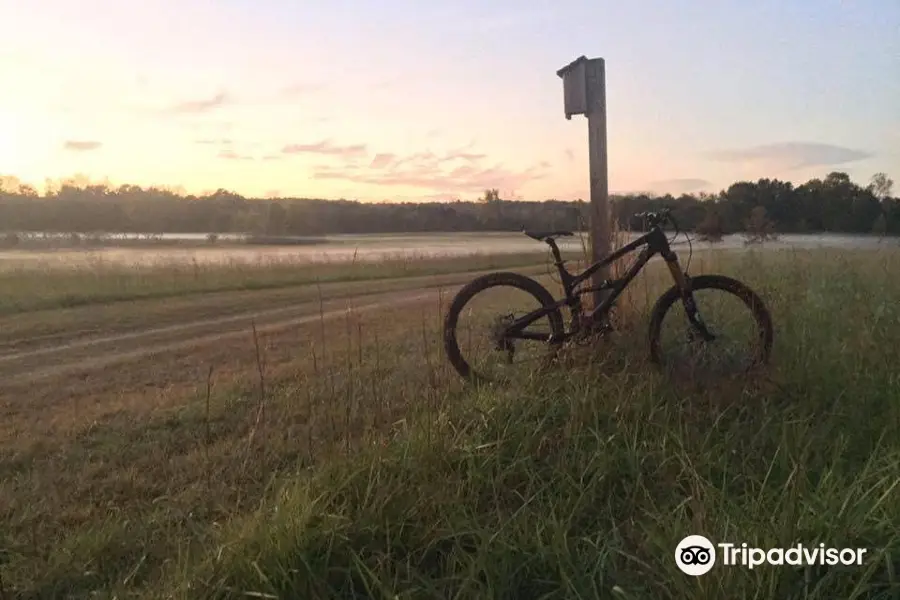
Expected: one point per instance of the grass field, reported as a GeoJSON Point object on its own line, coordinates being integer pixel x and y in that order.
{"type": "Point", "coordinates": [47, 286]}
{"type": "Point", "coordinates": [361, 467]}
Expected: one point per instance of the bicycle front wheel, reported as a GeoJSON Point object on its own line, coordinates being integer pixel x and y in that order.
{"type": "Point", "coordinates": [476, 336]}
{"type": "Point", "coordinates": [735, 316]}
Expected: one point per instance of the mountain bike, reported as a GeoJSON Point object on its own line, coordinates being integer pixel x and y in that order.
{"type": "Point", "coordinates": [507, 332]}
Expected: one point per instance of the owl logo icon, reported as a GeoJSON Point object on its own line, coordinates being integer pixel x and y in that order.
{"type": "Point", "coordinates": [695, 555]}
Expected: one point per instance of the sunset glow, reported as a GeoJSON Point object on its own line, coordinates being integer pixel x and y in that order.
{"type": "Point", "coordinates": [402, 100]}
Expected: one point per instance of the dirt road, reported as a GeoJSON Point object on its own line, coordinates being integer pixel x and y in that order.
{"type": "Point", "coordinates": [140, 340]}
{"type": "Point", "coordinates": [108, 350]}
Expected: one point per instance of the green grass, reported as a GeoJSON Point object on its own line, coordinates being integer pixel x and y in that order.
{"type": "Point", "coordinates": [30, 288]}
{"type": "Point", "coordinates": [372, 473]}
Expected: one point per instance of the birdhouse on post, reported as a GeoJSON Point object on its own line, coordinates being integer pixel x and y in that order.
{"type": "Point", "coordinates": [584, 93]}
{"type": "Point", "coordinates": [575, 87]}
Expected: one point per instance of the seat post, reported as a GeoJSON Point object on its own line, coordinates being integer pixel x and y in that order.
{"type": "Point", "coordinates": [555, 249]}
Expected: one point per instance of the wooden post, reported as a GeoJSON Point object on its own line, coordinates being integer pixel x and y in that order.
{"type": "Point", "coordinates": [584, 90]}
{"type": "Point", "coordinates": [597, 165]}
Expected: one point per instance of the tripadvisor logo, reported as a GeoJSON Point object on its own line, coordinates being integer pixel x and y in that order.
{"type": "Point", "coordinates": [695, 555]}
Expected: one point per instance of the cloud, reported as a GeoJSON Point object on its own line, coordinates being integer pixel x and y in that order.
{"type": "Point", "coordinates": [437, 174]}
{"type": "Point", "coordinates": [197, 106]}
{"type": "Point", "coordinates": [467, 156]}
{"type": "Point", "coordinates": [429, 157]}
{"type": "Point", "coordinates": [792, 155]}
{"type": "Point", "coordinates": [346, 168]}
{"type": "Point", "coordinates": [81, 145]}
{"type": "Point", "coordinates": [679, 185]}
{"type": "Point", "coordinates": [463, 171]}
{"type": "Point", "coordinates": [382, 160]}
{"type": "Point", "coordinates": [570, 156]}
{"type": "Point", "coordinates": [419, 157]}
{"type": "Point", "coordinates": [456, 171]}
{"type": "Point", "coordinates": [325, 147]}
{"type": "Point", "coordinates": [232, 155]}
{"type": "Point", "coordinates": [226, 148]}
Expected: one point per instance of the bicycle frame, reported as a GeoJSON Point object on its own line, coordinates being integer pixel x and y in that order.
{"type": "Point", "coordinates": [654, 242]}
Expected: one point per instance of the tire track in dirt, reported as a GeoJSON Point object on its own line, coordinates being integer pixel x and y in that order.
{"type": "Point", "coordinates": [102, 352]}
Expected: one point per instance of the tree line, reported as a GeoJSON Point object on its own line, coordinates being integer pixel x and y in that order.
{"type": "Point", "coordinates": [832, 204]}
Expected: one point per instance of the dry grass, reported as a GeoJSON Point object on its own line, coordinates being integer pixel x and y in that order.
{"type": "Point", "coordinates": [51, 286]}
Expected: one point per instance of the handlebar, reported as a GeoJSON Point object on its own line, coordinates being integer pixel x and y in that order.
{"type": "Point", "coordinates": [655, 218]}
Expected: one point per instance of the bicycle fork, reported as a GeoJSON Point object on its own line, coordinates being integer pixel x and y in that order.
{"type": "Point", "coordinates": [683, 281]}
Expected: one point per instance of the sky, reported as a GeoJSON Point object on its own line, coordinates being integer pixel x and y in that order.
{"type": "Point", "coordinates": [409, 100]}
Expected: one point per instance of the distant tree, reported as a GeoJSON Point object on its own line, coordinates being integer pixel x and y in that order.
{"type": "Point", "coordinates": [879, 227]}
{"type": "Point", "coordinates": [840, 193]}
{"type": "Point", "coordinates": [758, 227]}
{"type": "Point", "coordinates": [492, 216]}
{"type": "Point", "coordinates": [10, 240]}
{"type": "Point", "coordinates": [492, 195]}
{"type": "Point", "coordinates": [276, 219]}
{"type": "Point", "coordinates": [833, 203]}
{"type": "Point", "coordinates": [881, 186]}
{"type": "Point", "coordinates": [710, 228]}
{"type": "Point", "coordinates": [27, 191]}
{"type": "Point", "coordinates": [9, 184]}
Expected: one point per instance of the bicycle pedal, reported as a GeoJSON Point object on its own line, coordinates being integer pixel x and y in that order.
{"type": "Point", "coordinates": [600, 329]}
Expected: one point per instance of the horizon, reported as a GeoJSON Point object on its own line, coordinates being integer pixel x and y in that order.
{"type": "Point", "coordinates": [199, 97]}
{"type": "Point", "coordinates": [9, 184]}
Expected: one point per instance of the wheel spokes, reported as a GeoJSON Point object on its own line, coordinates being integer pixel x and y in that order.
{"type": "Point", "coordinates": [732, 345]}
{"type": "Point", "coordinates": [491, 350]}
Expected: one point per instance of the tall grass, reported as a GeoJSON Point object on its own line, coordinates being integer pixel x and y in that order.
{"type": "Point", "coordinates": [44, 286]}
{"type": "Point", "coordinates": [367, 470]}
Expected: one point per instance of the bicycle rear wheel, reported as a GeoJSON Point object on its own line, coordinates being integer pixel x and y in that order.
{"type": "Point", "coordinates": [730, 310]}
{"type": "Point", "coordinates": [475, 336]}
